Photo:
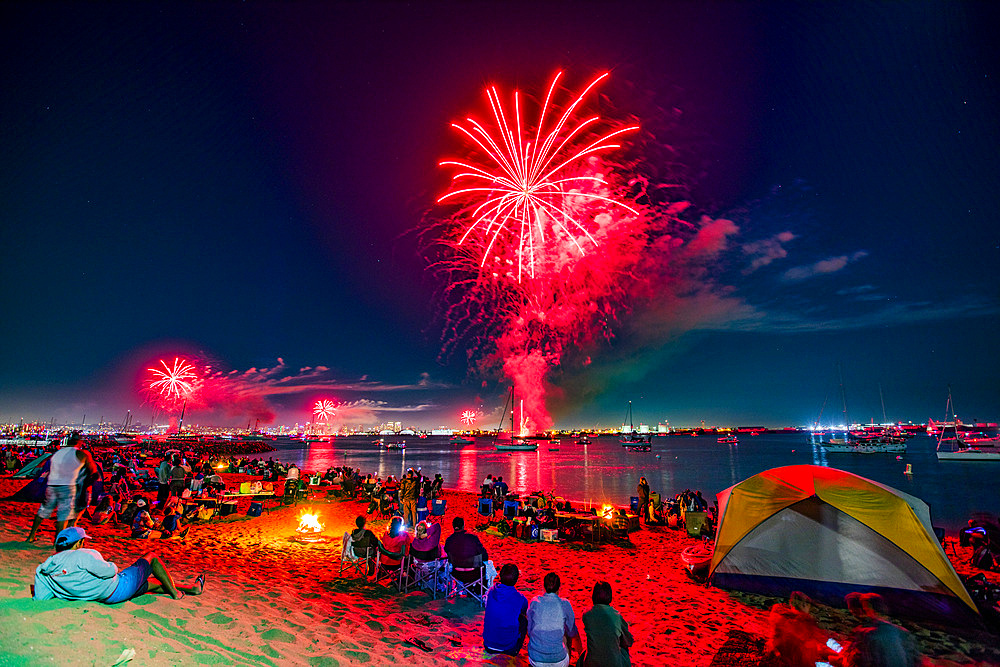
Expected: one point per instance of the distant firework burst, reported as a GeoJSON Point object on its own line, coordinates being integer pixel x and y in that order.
{"type": "Point", "coordinates": [469, 417]}
{"type": "Point", "coordinates": [324, 410]}
{"type": "Point", "coordinates": [530, 200]}
{"type": "Point", "coordinates": [172, 385]}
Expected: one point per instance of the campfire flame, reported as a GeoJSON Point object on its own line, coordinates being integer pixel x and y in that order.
{"type": "Point", "coordinates": [607, 511]}
{"type": "Point", "coordinates": [309, 523]}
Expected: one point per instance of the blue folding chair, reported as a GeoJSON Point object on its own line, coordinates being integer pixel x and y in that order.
{"type": "Point", "coordinates": [634, 504]}
{"type": "Point", "coordinates": [486, 507]}
{"type": "Point", "coordinates": [422, 513]}
{"type": "Point", "coordinates": [438, 506]}
{"type": "Point", "coordinates": [510, 508]}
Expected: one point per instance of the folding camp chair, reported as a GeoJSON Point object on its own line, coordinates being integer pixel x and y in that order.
{"type": "Point", "coordinates": [392, 573]}
{"type": "Point", "coordinates": [425, 574]}
{"type": "Point", "coordinates": [290, 496]}
{"type": "Point", "coordinates": [510, 508]}
{"type": "Point", "coordinates": [476, 588]}
{"type": "Point", "coordinates": [357, 562]}
{"type": "Point", "coordinates": [438, 506]}
{"type": "Point", "coordinates": [386, 508]}
{"type": "Point", "coordinates": [485, 507]}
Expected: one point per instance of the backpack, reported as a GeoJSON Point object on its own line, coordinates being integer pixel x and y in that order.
{"type": "Point", "coordinates": [983, 559]}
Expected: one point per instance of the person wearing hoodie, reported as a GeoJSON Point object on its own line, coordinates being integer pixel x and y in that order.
{"type": "Point", "coordinates": [77, 573]}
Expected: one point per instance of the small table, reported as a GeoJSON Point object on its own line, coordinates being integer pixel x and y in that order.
{"type": "Point", "coordinates": [564, 519]}
{"type": "Point", "coordinates": [261, 497]}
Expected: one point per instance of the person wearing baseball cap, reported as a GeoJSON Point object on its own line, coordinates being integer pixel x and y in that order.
{"type": "Point", "coordinates": [74, 572]}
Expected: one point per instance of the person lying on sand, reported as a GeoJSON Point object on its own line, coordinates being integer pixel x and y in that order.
{"type": "Point", "coordinates": [76, 573]}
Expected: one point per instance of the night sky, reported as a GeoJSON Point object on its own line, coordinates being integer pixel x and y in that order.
{"type": "Point", "coordinates": [242, 182]}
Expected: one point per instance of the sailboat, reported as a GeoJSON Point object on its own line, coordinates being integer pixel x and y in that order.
{"type": "Point", "coordinates": [954, 446]}
{"type": "Point", "coordinates": [632, 441]}
{"type": "Point", "coordinates": [866, 441]}
{"type": "Point", "coordinates": [514, 444]}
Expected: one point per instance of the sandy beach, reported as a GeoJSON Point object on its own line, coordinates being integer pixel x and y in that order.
{"type": "Point", "coordinates": [272, 601]}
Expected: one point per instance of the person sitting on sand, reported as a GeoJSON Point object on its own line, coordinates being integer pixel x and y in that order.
{"type": "Point", "coordinates": [77, 573]}
{"type": "Point", "coordinates": [608, 637]}
{"type": "Point", "coordinates": [796, 640]}
{"type": "Point", "coordinates": [877, 642]}
{"type": "Point", "coordinates": [104, 512]}
{"type": "Point", "coordinates": [426, 545]}
{"type": "Point", "coordinates": [465, 552]}
{"type": "Point", "coordinates": [551, 627]}
{"type": "Point", "coordinates": [145, 527]}
{"type": "Point", "coordinates": [505, 623]}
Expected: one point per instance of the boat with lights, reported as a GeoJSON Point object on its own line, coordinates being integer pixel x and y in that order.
{"type": "Point", "coordinates": [512, 444]}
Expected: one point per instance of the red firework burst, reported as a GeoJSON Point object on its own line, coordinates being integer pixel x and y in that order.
{"type": "Point", "coordinates": [531, 200]}
{"type": "Point", "coordinates": [323, 410]}
{"type": "Point", "coordinates": [468, 417]}
{"type": "Point", "coordinates": [171, 385]}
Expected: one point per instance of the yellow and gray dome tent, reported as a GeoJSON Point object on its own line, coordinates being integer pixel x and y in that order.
{"type": "Point", "coordinates": [827, 532]}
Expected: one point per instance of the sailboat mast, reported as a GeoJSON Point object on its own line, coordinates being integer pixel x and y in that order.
{"type": "Point", "coordinates": [883, 403]}
{"type": "Point", "coordinates": [843, 396]}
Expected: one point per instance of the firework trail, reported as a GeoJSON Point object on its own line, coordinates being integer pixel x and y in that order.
{"type": "Point", "coordinates": [173, 385]}
{"type": "Point", "coordinates": [541, 241]}
{"type": "Point", "coordinates": [468, 417]}
{"type": "Point", "coordinates": [323, 410]}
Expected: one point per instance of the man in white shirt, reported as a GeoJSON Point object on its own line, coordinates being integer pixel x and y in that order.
{"type": "Point", "coordinates": [60, 492]}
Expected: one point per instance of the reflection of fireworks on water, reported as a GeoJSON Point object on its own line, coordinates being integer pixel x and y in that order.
{"type": "Point", "coordinates": [531, 199]}
{"type": "Point", "coordinates": [172, 385]}
{"type": "Point", "coordinates": [324, 410]}
{"type": "Point", "coordinates": [469, 417]}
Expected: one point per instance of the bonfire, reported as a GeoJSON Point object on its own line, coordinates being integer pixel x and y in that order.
{"type": "Point", "coordinates": [309, 530]}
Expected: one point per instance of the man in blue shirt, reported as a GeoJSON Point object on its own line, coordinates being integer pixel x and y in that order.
{"type": "Point", "coordinates": [78, 573]}
{"type": "Point", "coordinates": [551, 627]}
{"type": "Point", "coordinates": [505, 623]}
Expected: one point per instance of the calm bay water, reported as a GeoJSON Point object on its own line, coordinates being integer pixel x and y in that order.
{"type": "Point", "coordinates": [603, 472]}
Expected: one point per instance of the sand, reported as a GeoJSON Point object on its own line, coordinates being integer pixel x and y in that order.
{"type": "Point", "coordinates": [271, 601]}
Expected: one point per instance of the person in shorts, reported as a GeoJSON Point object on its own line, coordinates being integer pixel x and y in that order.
{"type": "Point", "coordinates": [77, 573]}
{"type": "Point", "coordinates": [60, 491]}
